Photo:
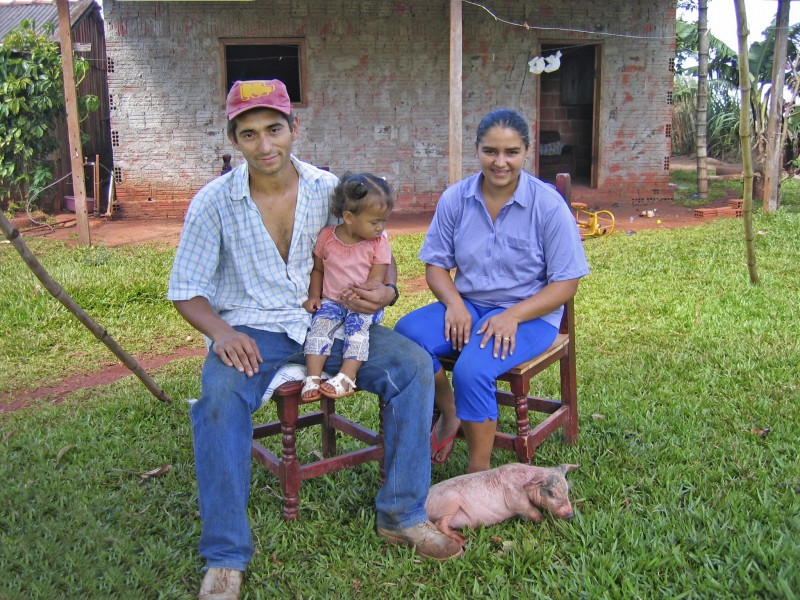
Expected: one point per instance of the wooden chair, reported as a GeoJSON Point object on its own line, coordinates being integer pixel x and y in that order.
{"type": "Point", "coordinates": [287, 466]}
{"type": "Point", "coordinates": [562, 412]}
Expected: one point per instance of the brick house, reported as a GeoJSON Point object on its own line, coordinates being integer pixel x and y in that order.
{"type": "Point", "coordinates": [370, 83]}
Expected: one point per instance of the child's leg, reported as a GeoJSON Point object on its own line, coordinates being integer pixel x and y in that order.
{"type": "Point", "coordinates": [319, 342]}
{"type": "Point", "coordinates": [354, 353]}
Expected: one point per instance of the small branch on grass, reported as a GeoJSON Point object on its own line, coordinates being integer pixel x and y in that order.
{"type": "Point", "coordinates": [13, 236]}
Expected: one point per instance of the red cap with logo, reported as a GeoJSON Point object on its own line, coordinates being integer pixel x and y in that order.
{"type": "Point", "coordinates": [266, 93]}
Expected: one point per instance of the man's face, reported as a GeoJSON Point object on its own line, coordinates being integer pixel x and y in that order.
{"type": "Point", "coordinates": [265, 140]}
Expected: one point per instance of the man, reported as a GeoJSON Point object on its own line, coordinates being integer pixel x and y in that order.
{"type": "Point", "coordinates": [240, 277]}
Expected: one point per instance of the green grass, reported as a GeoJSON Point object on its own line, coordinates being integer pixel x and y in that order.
{"type": "Point", "coordinates": [124, 289]}
{"type": "Point", "coordinates": [685, 189]}
{"type": "Point", "coordinates": [681, 361]}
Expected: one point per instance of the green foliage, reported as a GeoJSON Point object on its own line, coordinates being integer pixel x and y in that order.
{"type": "Point", "coordinates": [682, 367]}
{"type": "Point", "coordinates": [722, 135]}
{"type": "Point", "coordinates": [723, 91]}
{"type": "Point", "coordinates": [31, 102]}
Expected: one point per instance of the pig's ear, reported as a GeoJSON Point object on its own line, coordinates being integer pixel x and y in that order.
{"type": "Point", "coordinates": [566, 468]}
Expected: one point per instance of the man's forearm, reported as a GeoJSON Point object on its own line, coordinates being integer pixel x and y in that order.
{"type": "Point", "coordinates": [199, 314]}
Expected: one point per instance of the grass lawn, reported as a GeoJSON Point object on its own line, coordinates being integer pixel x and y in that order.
{"type": "Point", "coordinates": [689, 484]}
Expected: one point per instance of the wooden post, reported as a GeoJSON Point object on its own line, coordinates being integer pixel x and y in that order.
{"type": "Point", "coordinates": [96, 174]}
{"type": "Point", "coordinates": [73, 127]}
{"type": "Point", "coordinates": [456, 138]}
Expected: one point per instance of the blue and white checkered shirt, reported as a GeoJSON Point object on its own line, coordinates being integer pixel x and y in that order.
{"type": "Point", "coordinates": [227, 256]}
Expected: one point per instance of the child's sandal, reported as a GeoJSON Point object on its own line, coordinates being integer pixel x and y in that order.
{"type": "Point", "coordinates": [338, 384]}
{"type": "Point", "coordinates": [310, 384]}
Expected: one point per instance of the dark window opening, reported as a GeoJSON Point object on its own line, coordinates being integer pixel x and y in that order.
{"type": "Point", "coordinates": [274, 60]}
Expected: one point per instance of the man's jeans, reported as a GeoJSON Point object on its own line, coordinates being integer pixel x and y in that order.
{"type": "Point", "coordinates": [398, 370]}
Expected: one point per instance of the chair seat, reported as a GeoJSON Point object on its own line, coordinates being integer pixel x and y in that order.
{"type": "Point", "coordinates": [562, 339]}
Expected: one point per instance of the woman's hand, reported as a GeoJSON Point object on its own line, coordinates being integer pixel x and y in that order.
{"type": "Point", "coordinates": [457, 325]}
{"type": "Point", "coordinates": [500, 330]}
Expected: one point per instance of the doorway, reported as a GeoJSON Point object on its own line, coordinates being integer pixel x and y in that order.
{"type": "Point", "coordinates": [568, 105]}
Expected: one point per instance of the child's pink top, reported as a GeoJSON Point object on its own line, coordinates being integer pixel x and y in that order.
{"type": "Point", "coordinates": [345, 264]}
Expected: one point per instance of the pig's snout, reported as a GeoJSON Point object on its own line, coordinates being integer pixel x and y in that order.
{"type": "Point", "coordinates": [564, 513]}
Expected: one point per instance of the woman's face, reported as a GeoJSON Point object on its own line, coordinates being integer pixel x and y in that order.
{"type": "Point", "coordinates": [501, 153]}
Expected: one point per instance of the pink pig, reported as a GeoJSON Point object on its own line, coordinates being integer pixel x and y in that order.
{"type": "Point", "coordinates": [489, 497]}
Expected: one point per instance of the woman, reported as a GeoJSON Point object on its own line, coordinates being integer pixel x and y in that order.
{"type": "Point", "coordinates": [518, 258]}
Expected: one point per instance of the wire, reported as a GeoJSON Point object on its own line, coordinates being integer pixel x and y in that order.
{"type": "Point", "coordinates": [32, 197]}
{"type": "Point", "coordinates": [525, 25]}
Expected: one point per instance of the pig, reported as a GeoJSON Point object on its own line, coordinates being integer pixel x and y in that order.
{"type": "Point", "coordinates": [489, 497]}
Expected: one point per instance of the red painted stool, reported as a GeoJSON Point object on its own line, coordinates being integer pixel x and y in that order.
{"type": "Point", "coordinates": [287, 467]}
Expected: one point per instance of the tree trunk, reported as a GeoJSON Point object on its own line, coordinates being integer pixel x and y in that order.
{"type": "Point", "coordinates": [13, 236]}
{"type": "Point", "coordinates": [744, 135]}
{"type": "Point", "coordinates": [774, 153]}
{"type": "Point", "coordinates": [702, 101]}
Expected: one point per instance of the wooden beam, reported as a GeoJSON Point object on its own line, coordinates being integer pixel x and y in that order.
{"type": "Point", "coordinates": [456, 136]}
{"type": "Point", "coordinates": [73, 126]}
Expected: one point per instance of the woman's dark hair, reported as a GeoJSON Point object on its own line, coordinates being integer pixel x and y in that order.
{"type": "Point", "coordinates": [356, 191]}
{"type": "Point", "coordinates": [507, 118]}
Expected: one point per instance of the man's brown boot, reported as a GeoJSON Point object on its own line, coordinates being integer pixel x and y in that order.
{"type": "Point", "coordinates": [221, 584]}
{"type": "Point", "coordinates": [429, 541]}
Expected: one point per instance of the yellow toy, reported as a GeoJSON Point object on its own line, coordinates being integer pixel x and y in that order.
{"type": "Point", "coordinates": [592, 223]}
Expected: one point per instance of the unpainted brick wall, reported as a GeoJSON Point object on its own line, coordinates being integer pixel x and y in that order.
{"type": "Point", "coordinates": [377, 88]}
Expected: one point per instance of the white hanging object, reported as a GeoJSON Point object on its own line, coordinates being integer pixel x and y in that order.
{"type": "Point", "coordinates": [546, 64]}
{"type": "Point", "coordinates": [536, 65]}
{"type": "Point", "coordinates": [552, 62]}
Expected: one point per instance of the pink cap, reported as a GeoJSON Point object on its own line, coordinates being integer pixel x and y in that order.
{"type": "Point", "coordinates": [270, 93]}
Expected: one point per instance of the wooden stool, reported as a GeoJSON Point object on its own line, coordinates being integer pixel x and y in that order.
{"type": "Point", "coordinates": [287, 467]}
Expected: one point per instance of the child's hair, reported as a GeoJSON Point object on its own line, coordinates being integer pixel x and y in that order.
{"type": "Point", "coordinates": [356, 191]}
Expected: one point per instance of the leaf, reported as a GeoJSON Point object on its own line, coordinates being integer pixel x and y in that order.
{"type": "Point", "coordinates": [760, 432]}
{"type": "Point", "coordinates": [155, 472]}
{"type": "Point", "coordinates": [7, 436]}
{"type": "Point", "coordinates": [63, 451]}
{"type": "Point", "coordinates": [598, 417]}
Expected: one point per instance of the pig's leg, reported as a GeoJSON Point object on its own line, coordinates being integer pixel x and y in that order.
{"type": "Point", "coordinates": [531, 513]}
{"type": "Point", "coordinates": [443, 525]}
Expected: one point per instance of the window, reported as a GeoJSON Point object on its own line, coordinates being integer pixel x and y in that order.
{"type": "Point", "coordinates": [266, 59]}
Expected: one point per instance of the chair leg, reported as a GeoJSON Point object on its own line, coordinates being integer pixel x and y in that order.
{"type": "Point", "coordinates": [328, 431]}
{"type": "Point", "coordinates": [289, 469]}
{"type": "Point", "coordinates": [522, 448]}
{"type": "Point", "coordinates": [569, 396]}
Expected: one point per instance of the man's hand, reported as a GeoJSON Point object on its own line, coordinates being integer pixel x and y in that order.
{"type": "Point", "coordinates": [368, 297]}
{"type": "Point", "coordinates": [234, 349]}
{"type": "Point", "coordinates": [239, 351]}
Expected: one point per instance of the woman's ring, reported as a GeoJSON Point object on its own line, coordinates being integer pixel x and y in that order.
{"type": "Point", "coordinates": [506, 339]}
{"type": "Point", "coordinates": [497, 335]}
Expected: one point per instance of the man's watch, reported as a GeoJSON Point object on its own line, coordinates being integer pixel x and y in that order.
{"type": "Point", "coordinates": [396, 293]}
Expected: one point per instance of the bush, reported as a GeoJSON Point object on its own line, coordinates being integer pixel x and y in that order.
{"type": "Point", "coordinates": [31, 103]}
